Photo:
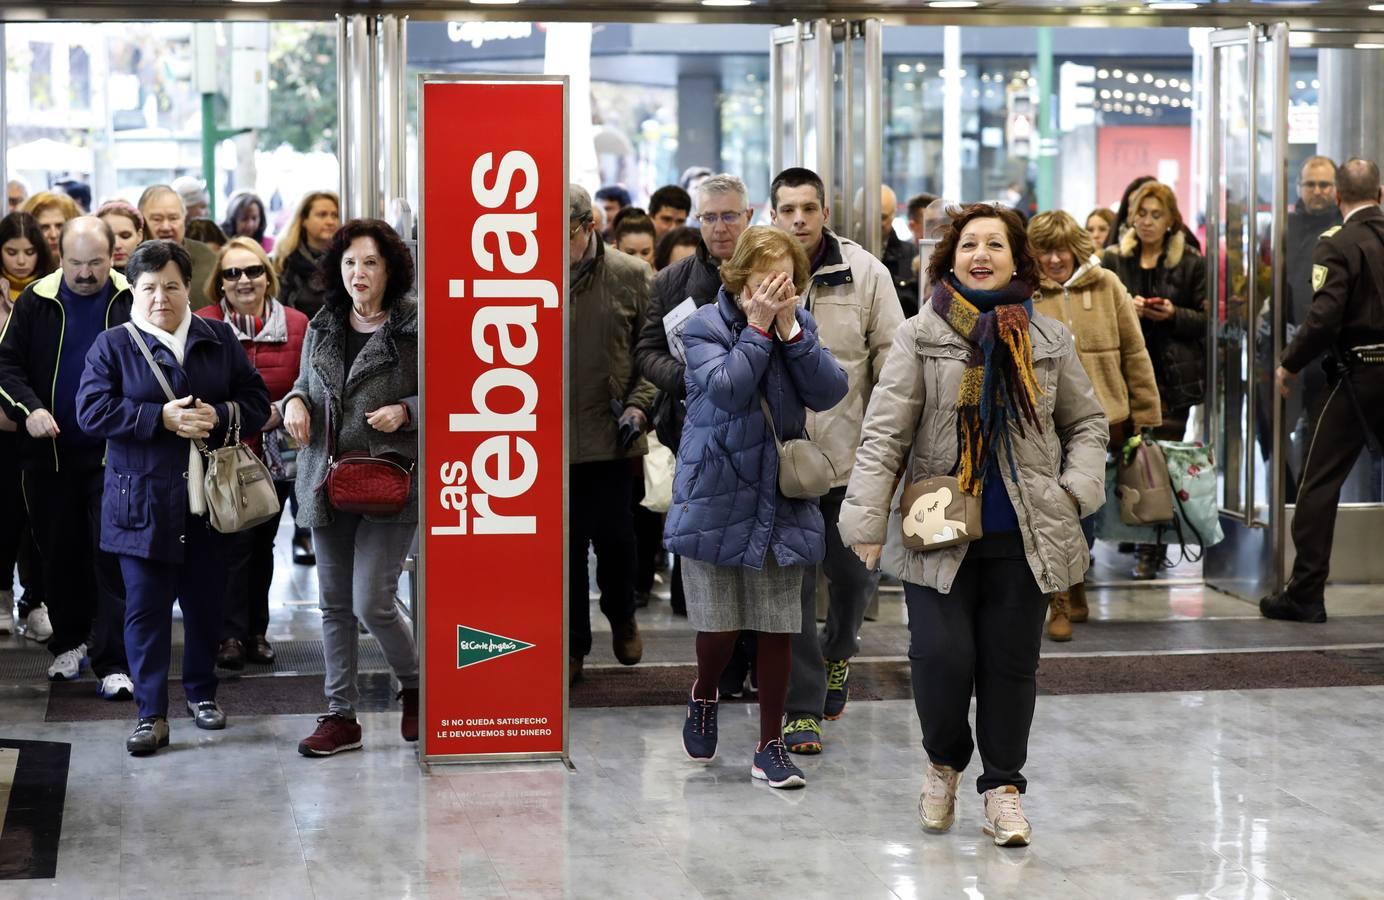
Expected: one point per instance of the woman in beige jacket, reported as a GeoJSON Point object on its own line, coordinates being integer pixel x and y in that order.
{"type": "Point", "coordinates": [1094, 304]}
{"type": "Point", "coordinates": [979, 386]}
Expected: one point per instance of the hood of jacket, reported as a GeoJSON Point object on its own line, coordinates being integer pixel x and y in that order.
{"type": "Point", "coordinates": [1173, 247]}
{"type": "Point", "coordinates": [1088, 279]}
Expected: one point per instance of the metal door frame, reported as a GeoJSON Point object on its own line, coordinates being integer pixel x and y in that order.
{"type": "Point", "coordinates": [1245, 550]}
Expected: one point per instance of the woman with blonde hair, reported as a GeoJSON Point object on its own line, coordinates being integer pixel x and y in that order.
{"type": "Point", "coordinates": [1075, 289]}
{"type": "Point", "coordinates": [301, 247]}
{"type": "Point", "coordinates": [754, 368]}
{"type": "Point", "coordinates": [245, 289]}
{"type": "Point", "coordinates": [1167, 279]}
{"type": "Point", "coordinates": [52, 210]}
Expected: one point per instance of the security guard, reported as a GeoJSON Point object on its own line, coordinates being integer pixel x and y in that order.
{"type": "Point", "coordinates": [1346, 322]}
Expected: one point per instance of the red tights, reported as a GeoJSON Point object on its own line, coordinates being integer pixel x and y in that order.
{"type": "Point", "coordinates": [774, 658]}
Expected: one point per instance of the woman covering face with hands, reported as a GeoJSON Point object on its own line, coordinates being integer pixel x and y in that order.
{"type": "Point", "coordinates": [153, 513]}
{"type": "Point", "coordinates": [359, 377]}
{"type": "Point", "coordinates": [745, 547]}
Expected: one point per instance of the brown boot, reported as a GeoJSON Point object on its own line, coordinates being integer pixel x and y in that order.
{"type": "Point", "coordinates": [626, 642]}
{"type": "Point", "coordinates": [1059, 626]}
{"type": "Point", "coordinates": [1077, 610]}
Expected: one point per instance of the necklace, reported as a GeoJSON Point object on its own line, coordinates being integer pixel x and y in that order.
{"type": "Point", "coordinates": [370, 321]}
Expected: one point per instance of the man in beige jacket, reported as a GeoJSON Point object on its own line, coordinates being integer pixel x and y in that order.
{"type": "Point", "coordinates": [852, 297]}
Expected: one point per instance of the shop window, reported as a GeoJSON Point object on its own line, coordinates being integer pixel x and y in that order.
{"type": "Point", "coordinates": [79, 77]}
{"type": "Point", "coordinates": [40, 75]}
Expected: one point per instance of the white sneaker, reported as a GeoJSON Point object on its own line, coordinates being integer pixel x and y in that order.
{"type": "Point", "coordinates": [36, 626]}
{"type": "Point", "coordinates": [6, 612]}
{"type": "Point", "coordinates": [937, 805]}
{"type": "Point", "coordinates": [1004, 817]}
{"type": "Point", "coordinates": [67, 665]}
{"type": "Point", "coordinates": [116, 687]}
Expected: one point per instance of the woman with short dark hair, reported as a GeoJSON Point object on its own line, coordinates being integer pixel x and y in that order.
{"type": "Point", "coordinates": [979, 388]}
{"type": "Point", "coordinates": [360, 362]}
{"type": "Point", "coordinates": [678, 243]}
{"type": "Point", "coordinates": [154, 515]}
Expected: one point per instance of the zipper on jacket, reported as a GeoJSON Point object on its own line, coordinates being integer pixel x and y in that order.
{"type": "Point", "coordinates": [53, 391]}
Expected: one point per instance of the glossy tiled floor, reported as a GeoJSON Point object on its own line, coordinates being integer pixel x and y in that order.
{"type": "Point", "coordinates": [1230, 794]}
{"type": "Point", "coordinates": [1233, 794]}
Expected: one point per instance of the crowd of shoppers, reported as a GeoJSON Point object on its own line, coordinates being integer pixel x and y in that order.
{"type": "Point", "coordinates": [1009, 358]}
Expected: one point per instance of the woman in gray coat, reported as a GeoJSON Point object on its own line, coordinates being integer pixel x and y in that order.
{"type": "Point", "coordinates": [978, 386]}
{"type": "Point", "coordinates": [360, 359]}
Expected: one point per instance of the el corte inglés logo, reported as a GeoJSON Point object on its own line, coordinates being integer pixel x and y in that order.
{"type": "Point", "coordinates": [476, 646]}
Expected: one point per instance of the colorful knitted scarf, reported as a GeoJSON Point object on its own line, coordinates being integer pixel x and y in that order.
{"type": "Point", "coordinates": [999, 385]}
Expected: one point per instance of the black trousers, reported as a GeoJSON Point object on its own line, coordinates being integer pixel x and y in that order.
{"type": "Point", "coordinates": [1335, 447]}
{"type": "Point", "coordinates": [985, 635]}
{"type": "Point", "coordinates": [81, 582]}
{"type": "Point", "coordinates": [249, 573]}
{"type": "Point", "coordinates": [16, 542]}
{"type": "Point", "coordinates": [599, 516]}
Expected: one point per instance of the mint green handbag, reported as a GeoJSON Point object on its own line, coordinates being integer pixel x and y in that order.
{"type": "Point", "coordinates": [1196, 521]}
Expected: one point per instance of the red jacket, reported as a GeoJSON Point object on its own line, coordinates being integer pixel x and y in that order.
{"type": "Point", "coordinates": [277, 363]}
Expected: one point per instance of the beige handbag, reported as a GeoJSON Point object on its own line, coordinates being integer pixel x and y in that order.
{"type": "Point", "coordinates": [805, 470]}
{"type": "Point", "coordinates": [937, 514]}
{"type": "Point", "coordinates": [1142, 484]}
{"type": "Point", "coordinates": [238, 490]}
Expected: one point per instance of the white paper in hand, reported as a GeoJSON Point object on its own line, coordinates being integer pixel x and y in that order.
{"type": "Point", "coordinates": [674, 323]}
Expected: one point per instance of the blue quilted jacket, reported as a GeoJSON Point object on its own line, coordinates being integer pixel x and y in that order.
{"type": "Point", "coordinates": [726, 506]}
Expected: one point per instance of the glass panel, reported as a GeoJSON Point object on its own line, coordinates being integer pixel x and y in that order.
{"type": "Point", "coordinates": [1231, 173]}
{"type": "Point", "coordinates": [116, 107]}
{"type": "Point", "coordinates": [1264, 362]}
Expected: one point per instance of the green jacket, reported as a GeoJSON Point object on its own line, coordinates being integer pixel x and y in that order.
{"type": "Point", "coordinates": [605, 309]}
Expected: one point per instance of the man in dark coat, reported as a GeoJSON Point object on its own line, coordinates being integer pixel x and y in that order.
{"type": "Point", "coordinates": [42, 353]}
{"type": "Point", "coordinates": [1346, 321]}
{"type": "Point", "coordinates": [900, 257]}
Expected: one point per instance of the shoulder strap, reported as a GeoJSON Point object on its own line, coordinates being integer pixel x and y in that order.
{"type": "Point", "coordinates": [769, 417]}
{"type": "Point", "coordinates": [149, 358]}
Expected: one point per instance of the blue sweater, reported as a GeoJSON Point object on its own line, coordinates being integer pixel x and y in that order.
{"type": "Point", "coordinates": [84, 320]}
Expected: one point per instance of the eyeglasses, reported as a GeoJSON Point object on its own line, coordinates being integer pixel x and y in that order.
{"type": "Point", "coordinates": [729, 218]}
{"type": "Point", "coordinates": [234, 273]}
{"type": "Point", "coordinates": [1317, 185]}
{"type": "Point", "coordinates": [576, 225]}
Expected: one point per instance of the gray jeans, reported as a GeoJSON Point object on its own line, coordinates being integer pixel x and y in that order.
{"type": "Point", "coordinates": [851, 586]}
{"type": "Point", "coordinates": [358, 567]}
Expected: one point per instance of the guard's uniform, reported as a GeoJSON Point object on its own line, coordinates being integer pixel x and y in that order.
{"type": "Point", "coordinates": [1347, 314]}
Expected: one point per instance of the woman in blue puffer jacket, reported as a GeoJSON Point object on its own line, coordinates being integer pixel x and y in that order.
{"type": "Point", "coordinates": [745, 547]}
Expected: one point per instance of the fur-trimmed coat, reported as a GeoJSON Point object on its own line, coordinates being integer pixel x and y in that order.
{"type": "Point", "coordinates": [1176, 346]}
{"type": "Point", "coordinates": [385, 372]}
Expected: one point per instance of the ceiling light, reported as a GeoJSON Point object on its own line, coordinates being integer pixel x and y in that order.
{"type": "Point", "coordinates": [1171, 7]}
{"type": "Point", "coordinates": [716, 2]}
{"type": "Point", "coordinates": [1376, 7]}
{"type": "Point", "coordinates": [494, 2]}
{"type": "Point", "coordinates": [254, 1]}
{"type": "Point", "coordinates": [1369, 46]}
{"type": "Point", "coordinates": [954, 4]}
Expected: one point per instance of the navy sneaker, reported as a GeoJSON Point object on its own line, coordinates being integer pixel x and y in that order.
{"type": "Point", "coordinates": [803, 735]}
{"type": "Point", "coordinates": [773, 765]}
{"type": "Point", "coordinates": [838, 688]}
{"type": "Point", "coordinates": [699, 730]}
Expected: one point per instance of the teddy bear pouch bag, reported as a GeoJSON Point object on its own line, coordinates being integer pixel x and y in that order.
{"type": "Point", "coordinates": [937, 514]}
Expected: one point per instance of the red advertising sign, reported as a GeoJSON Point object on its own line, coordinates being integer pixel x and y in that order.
{"type": "Point", "coordinates": [493, 260]}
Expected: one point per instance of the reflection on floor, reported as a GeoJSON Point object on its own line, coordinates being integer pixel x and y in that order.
{"type": "Point", "coordinates": [1230, 793]}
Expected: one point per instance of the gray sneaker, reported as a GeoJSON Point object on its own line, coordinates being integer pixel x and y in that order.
{"type": "Point", "coordinates": [207, 715]}
{"type": "Point", "coordinates": [937, 805]}
{"type": "Point", "coordinates": [149, 735]}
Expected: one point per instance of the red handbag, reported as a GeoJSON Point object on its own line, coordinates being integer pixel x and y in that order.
{"type": "Point", "coordinates": [365, 485]}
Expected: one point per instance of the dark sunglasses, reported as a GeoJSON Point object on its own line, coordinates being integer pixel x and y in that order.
{"type": "Point", "coordinates": [233, 274]}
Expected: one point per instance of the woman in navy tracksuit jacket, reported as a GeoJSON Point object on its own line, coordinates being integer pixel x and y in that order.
{"type": "Point", "coordinates": [166, 552]}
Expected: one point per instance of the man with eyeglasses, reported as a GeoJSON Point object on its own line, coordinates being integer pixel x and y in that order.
{"type": "Point", "coordinates": [43, 351]}
{"type": "Point", "coordinates": [608, 410]}
{"type": "Point", "coordinates": [851, 295]}
{"type": "Point", "coordinates": [165, 218]}
{"type": "Point", "coordinates": [723, 215]}
{"type": "Point", "coordinates": [1314, 213]}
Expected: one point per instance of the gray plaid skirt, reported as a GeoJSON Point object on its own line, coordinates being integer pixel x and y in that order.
{"type": "Point", "coordinates": [734, 598]}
